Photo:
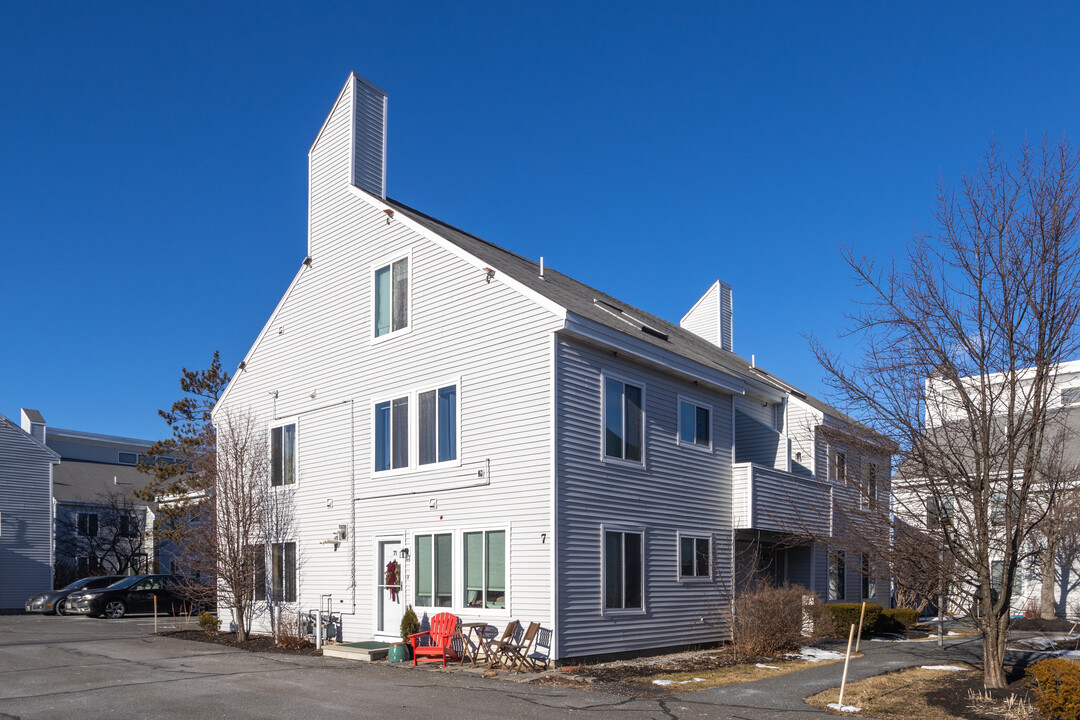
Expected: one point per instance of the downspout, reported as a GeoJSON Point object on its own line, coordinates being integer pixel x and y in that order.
{"type": "Point", "coordinates": [352, 505]}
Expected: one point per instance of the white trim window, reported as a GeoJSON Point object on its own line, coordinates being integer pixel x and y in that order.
{"type": "Point", "coordinates": [282, 580]}
{"type": "Point", "coordinates": [392, 434]}
{"type": "Point", "coordinates": [438, 423]}
{"type": "Point", "coordinates": [624, 420]}
{"type": "Point", "coordinates": [695, 424]}
{"type": "Point", "coordinates": [484, 567]}
{"type": "Point", "coordinates": [695, 556]}
{"type": "Point", "coordinates": [623, 570]}
{"type": "Point", "coordinates": [869, 581]}
{"type": "Point", "coordinates": [837, 465]}
{"type": "Point", "coordinates": [390, 286]}
{"type": "Point", "coordinates": [283, 454]}
{"type": "Point", "coordinates": [837, 575]}
{"type": "Point", "coordinates": [868, 500]}
{"type": "Point", "coordinates": [434, 568]}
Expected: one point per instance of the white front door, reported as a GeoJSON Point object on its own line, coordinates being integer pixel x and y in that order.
{"type": "Point", "coordinates": [390, 602]}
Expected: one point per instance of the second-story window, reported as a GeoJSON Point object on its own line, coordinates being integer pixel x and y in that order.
{"type": "Point", "coordinates": [392, 297]}
{"type": "Point", "coordinates": [694, 424]}
{"type": "Point", "coordinates": [283, 454]}
{"type": "Point", "coordinates": [868, 501]}
{"type": "Point", "coordinates": [392, 434]}
{"type": "Point", "coordinates": [624, 427]}
{"type": "Point", "coordinates": [837, 466]}
{"type": "Point", "coordinates": [88, 524]}
{"type": "Point", "coordinates": [438, 425]}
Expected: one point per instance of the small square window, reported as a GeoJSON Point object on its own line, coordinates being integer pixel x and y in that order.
{"type": "Point", "coordinates": [693, 556]}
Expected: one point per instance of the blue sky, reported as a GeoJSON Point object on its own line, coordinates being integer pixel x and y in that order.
{"type": "Point", "coordinates": [153, 159]}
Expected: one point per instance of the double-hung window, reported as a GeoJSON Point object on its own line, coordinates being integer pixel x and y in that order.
{"type": "Point", "coordinates": [837, 466]}
{"type": "Point", "coordinates": [438, 425]}
{"type": "Point", "coordinates": [485, 569]}
{"type": "Point", "coordinates": [283, 454]}
{"type": "Point", "coordinates": [695, 423]}
{"type": "Point", "coordinates": [623, 570]}
{"type": "Point", "coordinates": [88, 524]}
{"type": "Point", "coordinates": [434, 570]}
{"type": "Point", "coordinates": [392, 297]}
{"type": "Point", "coordinates": [282, 572]}
{"type": "Point", "coordinates": [693, 556]}
{"type": "Point", "coordinates": [624, 426]}
{"type": "Point", "coordinates": [129, 526]}
{"type": "Point", "coordinates": [868, 501]}
{"type": "Point", "coordinates": [869, 582]}
{"type": "Point", "coordinates": [392, 434]}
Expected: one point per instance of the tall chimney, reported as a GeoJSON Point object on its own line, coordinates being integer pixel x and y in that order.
{"type": "Point", "coordinates": [33, 423]}
{"type": "Point", "coordinates": [711, 316]}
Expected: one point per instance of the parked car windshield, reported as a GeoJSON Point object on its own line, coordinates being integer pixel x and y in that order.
{"type": "Point", "coordinates": [77, 584]}
{"type": "Point", "coordinates": [127, 582]}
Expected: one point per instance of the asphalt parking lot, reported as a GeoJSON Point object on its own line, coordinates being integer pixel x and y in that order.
{"type": "Point", "coordinates": [77, 667]}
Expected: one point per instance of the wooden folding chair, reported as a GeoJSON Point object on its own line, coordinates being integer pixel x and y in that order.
{"type": "Point", "coordinates": [517, 653]}
{"type": "Point", "coordinates": [494, 649]}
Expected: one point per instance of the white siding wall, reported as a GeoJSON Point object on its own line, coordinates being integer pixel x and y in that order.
{"type": "Point", "coordinates": [25, 517]}
{"type": "Point", "coordinates": [704, 318]}
{"type": "Point", "coordinates": [679, 489]}
{"type": "Point", "coordinates": [318, 357]}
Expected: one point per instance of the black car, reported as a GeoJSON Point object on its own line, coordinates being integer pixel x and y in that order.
{"type": "Point", "coordinates": [54, 600]}
{"type": "Point", "coordinates": [136, 595]}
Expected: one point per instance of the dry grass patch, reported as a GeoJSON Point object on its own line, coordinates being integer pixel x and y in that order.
{"type": "Point", "coordinates": [902, 694]}
{"type": "Point", "coordinates": [730, 675]}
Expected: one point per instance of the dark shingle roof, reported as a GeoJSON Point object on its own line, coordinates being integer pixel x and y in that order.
{"type": "Point", "coordinates": [588, 302]}
{"type": "Point", "coordinates": [78, 481]}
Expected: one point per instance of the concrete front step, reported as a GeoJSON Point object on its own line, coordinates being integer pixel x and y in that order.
{"type": "Point", "coordinates": [365, 651]}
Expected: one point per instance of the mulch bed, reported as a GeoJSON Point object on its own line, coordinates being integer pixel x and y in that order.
{"type": "Point", "coordinates": [1040, 625]}
{"type": "Point", "coordinates": [254, 643]}
{"type": "Point", "coordinates": [955, 697]}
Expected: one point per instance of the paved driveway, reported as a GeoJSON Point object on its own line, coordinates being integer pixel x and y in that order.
{"type": "Point", "coordinates": [75, 667]}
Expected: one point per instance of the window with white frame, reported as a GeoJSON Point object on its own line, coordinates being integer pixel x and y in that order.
{"type": "Point", "coordinates": [434, 567]}
{"type": "Point", "coordinates": [283, 454]}
{"type": "Point", "coordinates": [624, 426]}
{"type": "Point", "coordinates": [694, 556]}
{"type": "Point", "coordinates": [392, 434]}
{"type": "Point", "coordinates": [87, 524]}
{"type": "Point", "coordinates": [868, 501]}
{"type": "Point", "coordinates": [623, 560]}
{"type": "Point", "coordinates": [837, 465]}
{"type": "Point", "coordinates": [485, 569]}
{"type": "Point", "coordinates": [128, 458]}
{"type": "Point", "coordinates": [392, 297]}
{"type": "Point", "coordinates": [1070, 396]}
{"type": "Point", "coordinates": [437, 431]}
{"type": "Point", "coordinates": [695, 423]}
{"type": "Point", "coordinates": [939, 513]}
{"type": "Point", "coordinates": [282, 580]}
{"type": "Point", "coordinates": [837, 578]}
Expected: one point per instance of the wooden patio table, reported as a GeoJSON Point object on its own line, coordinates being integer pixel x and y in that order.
{"type": "Point", "coordinates": [477, 630]}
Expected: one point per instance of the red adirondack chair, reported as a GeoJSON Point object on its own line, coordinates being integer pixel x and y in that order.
{"type": "Point", "coordinates": [444, 629]}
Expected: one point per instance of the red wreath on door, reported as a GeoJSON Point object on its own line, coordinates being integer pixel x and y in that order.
{"type": "Point", "coordinates": [392, 579]}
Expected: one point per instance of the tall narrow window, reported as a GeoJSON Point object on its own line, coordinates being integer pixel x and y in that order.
{"type": "Point", "coordinates": [869, 496]}
{"type": "Point", "coordinates": [438, 425]}
{"type": "Point", "coordinates": [283, 454]}
{"type": "Point", "coordinates": [392, 297]}
{"type": "Point", "coordinates": [837, 466]}
{"type": "Point", "coordinates": [939, 513]}
{"type": "Point", "coordinates": [837, 578]}
{"type": "Point", "coordinates": [694, 424]}
{"type": "Point", "coordinates": [624, 425]}
{"type": "Point", "coordinates": [622, 570]}
{"type": "Point", "coordinates": [282, 572]}
{"type": "Point", "coordinates": [434, 570]}
{"type": "Point", "coordinates": [869, 582]}
{"type": "Point", "coordinates": [485, 569]}
{"type": "Point", "coordinates": [392, 434]}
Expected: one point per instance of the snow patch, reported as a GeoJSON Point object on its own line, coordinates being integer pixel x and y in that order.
{"type": "Point", "coordinates": [768, 667]}
{"type": "Point", "coordinates": [816, 654]}
{"type": "Point", "coordinates": [663, 682]}
{"type": "Point", "coordinates": [947, 668]}
{"type": "Point", "coordinates": [844, 708]}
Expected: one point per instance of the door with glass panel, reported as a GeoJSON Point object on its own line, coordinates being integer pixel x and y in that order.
{"type": "Point", "coordinates": [391, 604]}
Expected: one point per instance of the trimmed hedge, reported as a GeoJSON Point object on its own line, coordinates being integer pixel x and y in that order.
{"type": "Point", "coordinates": [844, 615]}
{"type": "Point", "coordinates": [1057, 688]}
{"type": "Point", "coordinates": [896, 620]}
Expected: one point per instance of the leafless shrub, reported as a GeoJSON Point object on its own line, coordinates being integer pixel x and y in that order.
{"type": "Point", "coordinates": [769, 620]}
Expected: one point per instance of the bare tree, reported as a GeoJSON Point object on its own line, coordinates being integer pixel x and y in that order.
{"type": "Point", "coordinates": [279, 564]}
{"type": "Point", "coordinates": [108, 536]}
{"type": "Point", "coordinates": [1056, 542]}
{"type": "Point", "coordinates": [960, 350]}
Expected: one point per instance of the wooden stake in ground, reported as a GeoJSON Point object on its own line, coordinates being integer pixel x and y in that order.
{"type": "Point", "coordinates": [155, 614]}
{"type": "Point", "coordinates": [858, 638]}
{"type": "Point", "coordinates": [847, 658]}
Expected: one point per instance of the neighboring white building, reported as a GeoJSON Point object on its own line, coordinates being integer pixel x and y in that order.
{"type": "Point", "coordinates": [916, 505]}
{"type": "Point", "coordinates": [525, 446]}
{"type": "Point", "coordinates": [26, 484]}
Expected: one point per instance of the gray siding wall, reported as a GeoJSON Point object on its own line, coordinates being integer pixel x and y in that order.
{"type": "Point", "coordinates": [319, 359]}
{"type": "Point", "coordinates": [776, 501]}
{"type": "Point", "coordinates": [101, 451]}
{"type": "Point", "coordinates": [802, 422]}
{"type": "Point", "coordinates": [758, 443]}
{"type": "Point", "coordinates": [679, 489]}
{"type": "Point", "coordinates": [25, 517]}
